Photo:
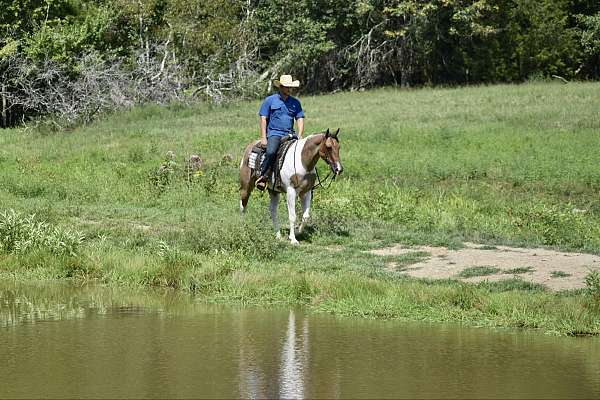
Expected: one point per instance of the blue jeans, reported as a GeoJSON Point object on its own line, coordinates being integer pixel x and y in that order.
{"type": "Point", "coordinates": [272, 147]}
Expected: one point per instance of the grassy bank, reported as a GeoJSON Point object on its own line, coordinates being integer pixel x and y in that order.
{"type": "Point", "coordinates": [495, 165]}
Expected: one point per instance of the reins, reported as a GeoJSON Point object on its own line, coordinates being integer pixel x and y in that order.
{"type": "Point", "coordinates": [320, 183]}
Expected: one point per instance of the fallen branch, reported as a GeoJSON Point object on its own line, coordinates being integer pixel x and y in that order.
{"type": "Point", "coordinates": [560, 78]}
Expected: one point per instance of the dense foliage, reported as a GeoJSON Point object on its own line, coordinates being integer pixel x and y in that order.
{"type": "Point", "coordinates": [165, 50]}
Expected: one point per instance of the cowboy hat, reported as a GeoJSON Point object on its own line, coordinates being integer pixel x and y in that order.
{"type": "Point", "coordinates": [286, 81]}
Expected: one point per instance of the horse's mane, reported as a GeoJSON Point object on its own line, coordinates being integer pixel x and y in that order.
{"type": "Point", "coordinates": [312, 135]}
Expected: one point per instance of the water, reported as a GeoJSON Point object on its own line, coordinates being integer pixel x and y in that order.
{"type": "Point", "coordinates": [64, 342]}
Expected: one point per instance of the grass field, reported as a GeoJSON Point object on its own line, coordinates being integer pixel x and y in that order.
{"type": "Point", "coordinates": [494, 165]}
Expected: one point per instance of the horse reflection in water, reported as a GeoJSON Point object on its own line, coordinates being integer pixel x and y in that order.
{"type": "Point", "coordinates": [294, 361]}
{"type": "Point", "coordinates": [289, 381]}
{"type": "Point", "coordinates": [298, 176]}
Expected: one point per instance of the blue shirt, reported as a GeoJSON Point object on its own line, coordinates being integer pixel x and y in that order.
{"type": "Point", "coordinates": [280, 114]}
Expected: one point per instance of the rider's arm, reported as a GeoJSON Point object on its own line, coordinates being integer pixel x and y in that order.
{"type": "Point", "coordinates": [300, 118]}
{"type": "Point", "coordinates": [264, 113]}
{"type": "Point", "coordinates": [263, 129]}
{"type": "Point", "coordinates": [300, 127]}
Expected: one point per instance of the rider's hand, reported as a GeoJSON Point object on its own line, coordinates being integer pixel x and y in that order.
{"type": "Point", "coordinates": [263, 142]}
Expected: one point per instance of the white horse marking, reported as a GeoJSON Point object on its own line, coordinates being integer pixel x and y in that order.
{"type": "Point", "coordinates": [306, 201]}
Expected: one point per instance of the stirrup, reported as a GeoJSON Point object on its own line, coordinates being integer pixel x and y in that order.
{"type": "Point", "coordinates": [261, 183]}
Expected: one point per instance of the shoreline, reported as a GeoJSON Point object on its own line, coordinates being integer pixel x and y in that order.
{"type": "Point", "coordinates": [369, 292]}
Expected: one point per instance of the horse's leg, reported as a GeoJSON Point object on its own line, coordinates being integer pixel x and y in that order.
{"type": "Point", "coordinates": [291, 203]}
{"type": "Point", "coordinates": [273, 206]}
{"type": "Point", "coordinates": [246, 186]}
{"type": "Point", "coordinates": [306, 200]}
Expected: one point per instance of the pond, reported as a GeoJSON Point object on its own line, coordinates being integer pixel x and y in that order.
{"type": "Point", "coordinates": [59, 341]}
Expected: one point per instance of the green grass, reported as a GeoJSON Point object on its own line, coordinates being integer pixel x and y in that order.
{"type": "Point", "coordinates": [559, 274]}
{"type": "Point", "coordinates": [478, 271]}
{"type": "Point", "coordinates": [519, 270]}
{"type": "Point", "coordinates": [498, 165]}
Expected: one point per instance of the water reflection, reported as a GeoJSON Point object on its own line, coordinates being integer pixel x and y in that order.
{"type": "Point", "coordinates": [294, 360]}
{"type": "Point", "coordinates": [59, 341]}
{"type": "Point", "coordinates": [33, 303]}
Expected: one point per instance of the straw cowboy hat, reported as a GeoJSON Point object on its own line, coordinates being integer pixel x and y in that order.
{"type": "Point", "coordinates": [286, 81]}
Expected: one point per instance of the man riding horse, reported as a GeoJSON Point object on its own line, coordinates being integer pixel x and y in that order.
{"type": "Point", "coordinates": [277, 114]}
{"type": "Point", "coordinates": [297, 174]}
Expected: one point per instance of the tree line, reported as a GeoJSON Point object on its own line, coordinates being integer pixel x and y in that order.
{"type": "Point", "coordinates": [75, 59]}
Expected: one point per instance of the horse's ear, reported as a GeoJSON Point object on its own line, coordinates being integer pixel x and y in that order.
{"type": "Point", "coordinates": [336, 132]}
{"type": "Point", "coordinates": [327, 133]}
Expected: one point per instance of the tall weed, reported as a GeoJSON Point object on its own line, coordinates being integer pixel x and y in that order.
{"type": "Point", "coordinates": [245, 239]}
{"type": "Point", "coordinates": [19, 234]}
{"type": "Point", "coordinates": [592, 282]}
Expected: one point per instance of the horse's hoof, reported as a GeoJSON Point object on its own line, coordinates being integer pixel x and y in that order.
{"type": "Point", "coordinates": [278, 236]}
{"type": "Point", "coordinates": [294, 242]}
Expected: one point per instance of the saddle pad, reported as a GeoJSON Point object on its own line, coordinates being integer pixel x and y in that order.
{"type": "Point", "coordinates": [256, 158]}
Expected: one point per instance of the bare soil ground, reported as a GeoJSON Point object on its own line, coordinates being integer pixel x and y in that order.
{"type": "Point", "coordinates": [554, 269]}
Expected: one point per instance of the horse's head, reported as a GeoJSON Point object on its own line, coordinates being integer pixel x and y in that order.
{"type": "Point", "coordinates": [330, 151]}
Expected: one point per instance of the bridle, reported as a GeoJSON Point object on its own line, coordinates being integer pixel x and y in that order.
{"type": "Point", "coordinates": [325, 154]}
{"type": "Point", "coordinates": [325, 157]}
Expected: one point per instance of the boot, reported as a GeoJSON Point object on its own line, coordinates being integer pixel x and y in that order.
{"type": "Point", "coordinates": [261, 183]}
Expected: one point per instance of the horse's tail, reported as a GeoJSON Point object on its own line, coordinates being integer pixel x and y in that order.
{"type": "Point", "coordinates": [245, 171]}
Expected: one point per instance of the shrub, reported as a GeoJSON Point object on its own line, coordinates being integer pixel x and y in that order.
{"type": "Point", "coordinates": [19, 234]}
{"type": "Point", "coordinates": [464, 297]}
{"type": "Point", "coordinates": [161, 177]}
{"type": "Point", "coordinates": [592, 282]}
{"type": "Point", "coordinates": [247, 239]}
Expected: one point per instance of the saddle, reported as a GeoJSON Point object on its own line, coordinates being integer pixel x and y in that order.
{"type": "Point", "coordinates": [257, 158]}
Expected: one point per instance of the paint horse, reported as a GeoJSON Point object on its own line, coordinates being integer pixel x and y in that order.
{"type": "Point", "coordinates": [298, 175]}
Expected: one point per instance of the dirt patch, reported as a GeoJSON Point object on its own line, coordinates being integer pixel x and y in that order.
{"type": "Point", "coordinates": [335, 248]}
{"type": "Point", "coordinates": [540, 265]}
